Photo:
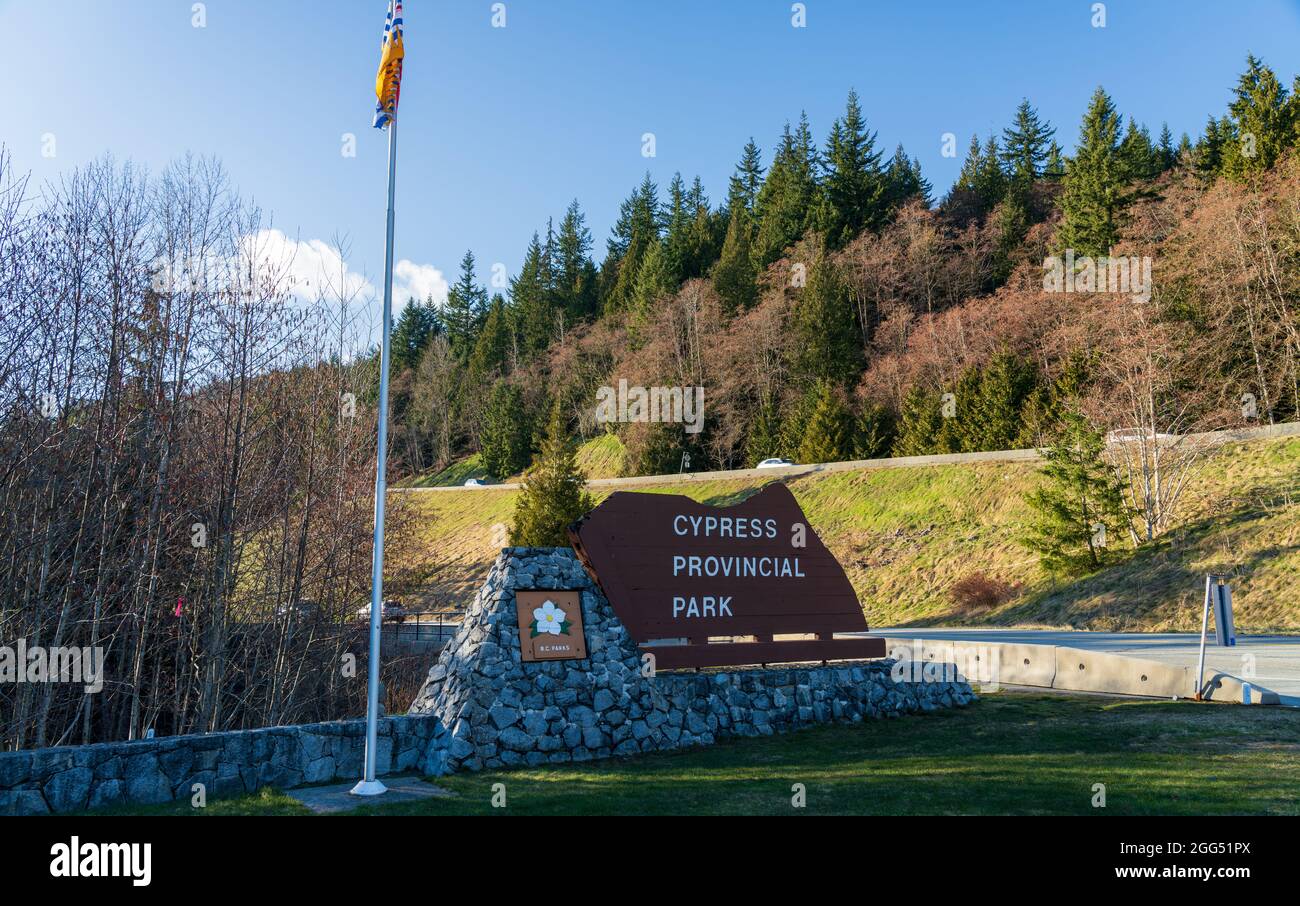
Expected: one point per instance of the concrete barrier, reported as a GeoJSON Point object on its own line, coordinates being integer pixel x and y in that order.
{"type": "Point", "coordinates": [1098, 671]}
{"type": "Point", "coordinates": [1076, 670]}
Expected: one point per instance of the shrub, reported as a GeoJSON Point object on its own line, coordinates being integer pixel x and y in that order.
{"type": "Point", "coordinates": [980, 591]}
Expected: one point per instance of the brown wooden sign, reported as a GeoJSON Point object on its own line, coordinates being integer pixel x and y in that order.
{"type": "Point", "coordinates": [550, 625]}
{"type": "Point", "coordinates": [680, 570]}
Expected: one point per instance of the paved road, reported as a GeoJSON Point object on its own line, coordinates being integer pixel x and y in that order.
{"type": "Point", "coordinates": [1276, 657]}
{"type": "Point", "coordinates": [1289, 429]}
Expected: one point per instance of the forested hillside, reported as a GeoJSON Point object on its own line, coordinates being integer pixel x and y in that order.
{"type": "Point", "coordinates": [832, 307]}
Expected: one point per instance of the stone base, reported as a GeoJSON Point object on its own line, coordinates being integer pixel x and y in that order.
{"type": "Point", "coordinates": [495, 711]}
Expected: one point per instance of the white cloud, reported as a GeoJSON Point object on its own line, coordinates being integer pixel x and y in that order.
{"type": "Point", "coordinates": [419, 281]}
{"type": "Point", "coordinates": [308, 269]}
{"type": "Point", "coordinates": [311, 268]}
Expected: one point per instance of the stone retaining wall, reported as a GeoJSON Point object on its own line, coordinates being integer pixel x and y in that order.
{"type": "Point", "coordinates": [500, 712]}
{"type": "Point", "coordinates": [73, 778]}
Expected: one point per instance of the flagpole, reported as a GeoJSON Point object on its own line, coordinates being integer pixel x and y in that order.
{"type": "Point", "coordinates": [369, 785]}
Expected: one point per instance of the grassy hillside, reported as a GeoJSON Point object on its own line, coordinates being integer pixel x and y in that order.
{"type": "Point", "coordinates": [600, 457]}
{"type": "Point", "coordinates": [906, 535]}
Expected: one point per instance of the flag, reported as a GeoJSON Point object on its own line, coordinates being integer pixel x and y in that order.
{"type": "Point", "coordinates": [388, 82]}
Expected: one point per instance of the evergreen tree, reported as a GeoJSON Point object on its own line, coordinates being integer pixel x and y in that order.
{"type": "Point", "coordinates": [919, 423]}
{"type": "Point", "coordinates": [416, 326]}
{"type": "Point", "coordinates": [750, 173]}
{"type": "Point", "coordinates": [1054, 166]}
{"type": "Point", "coordinates": [903, 180]}
{"type": "Point", "coordinates": [1025, 146]}
{"type": "Point", "coordinates": [657, 280]}
{"type": "Point", "coordinates": [994, 420]}
{"type": "Point", "coordinates": [704, 241]}
{"type": "Point", "coordinates": [1092, 200]}
{"type": "Point", "coordinates": [797, 418]}
{"type": "Point", "coordinates": [1167, 154]}
{"type": "Point", "coordinates": [554, 493]}
{"type": "Point", "coordinates": [1209, 150]}
{"type": "Point", "coordinates": [1263, 122]}
{"type": "Point", "coordinates": [530, 296]}
{"type": "Point", "coordinates": [681, 220]}
{"type": "Point", "coordinates": [637, 228]}
{"type": "Point", "coordinates": [990, 181]}
{"type": "Point", "coordinates": [1138, 156]}
{"type": "Point", "coordinates": [734, 276]}
{"type": "Point", "coordinates": [873, 433]}
{"type": "Point", "coordinates": [465, 309]}
{"type": "Point", "coordinates": [854, 182]}
{"type": "Point", "coordinates": [829, 434]}
{"type": "Point", "coordinates": [764, 440]}
{"type": "Point", "coordinates": [575, 274]}
{"type": "Point", "coordinates": [505, 435]}
{"type": "Point", "coordinates": [1079, 504]}
{"type": "Point", "coordinates": [491, 354]}
{"type": "Point", "coordinates": [788, 198]}
{"type": "Point", "coordinates": [981, 183]}
{"type": "Point", "coordinates": [828, 342]}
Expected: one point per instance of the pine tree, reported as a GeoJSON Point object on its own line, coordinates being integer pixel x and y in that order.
{"type": "Point", "coordinates": [416, 326]}
{"type": "Point", "coordinates": [638, 226]}
{"type": "Point", "coordinates": [1054, 166]}
{"type": "Point", "coordinates": [829, 434]}
{"type": "Point", "coordinates": [734, 276]}
{"type": "Point", "coordinates": [750, 173]}
{"type": "Point", "coordinates": [873, 432]}
{"type": "Point", "coordinates": [1138, 156]}
{"type": "Point", "coordinates": [1079, 512]}
{"type": "Point", "coordinates": [491, 354]}
{"type": "Point", "coordinates": [787, 200]}
{"type": "Point", "coordinates": [764, 440]}
{"type": "Point", "coordinates": [1166, 152]}
{"type": "Point", "coordinates": [919, 423]}
{"type": "Point", "coordinates": [1263, 125]}
{"type": "Point", "coordinates": [981, 183]}
{"type": "Point", "coordinates": [657, 280]}
{"type": "Point", "coordinates": [554, 493]}
{"type": "Point", "coordinates": [1092, 200]}
{"type": "Point", "coordinates": [575, 274]}
{"type": "Point", "coordinates": [1025, 146]}
{"type": "Point", "coordinates": [854, 183]}
{"type": "Point", "coordinates": [681, 220]}
{"type": "Point", "coordinates": [505, 436]}
{"type": "Point", "coordinates": [903, 180]}
{"type": "Point", "coordinates": [995, 418]}
{"type": "Point", "coordinates": [1209, 149]}
{"type": "Point", "coordinates": [827, 337]}
{"type": "Point", "coordinates": [465, 309]}
{"type": "Point", "coordinates": [530, 297]}
{"type": "Point", "coordinates": [704, 241]}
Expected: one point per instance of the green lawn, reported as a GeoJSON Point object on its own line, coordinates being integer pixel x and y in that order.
{"type": "Point", "coordinates": [1008, 754]}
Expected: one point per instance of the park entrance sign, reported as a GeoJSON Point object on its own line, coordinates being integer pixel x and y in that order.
{"type": "Point", "coordinates": [688, 580]}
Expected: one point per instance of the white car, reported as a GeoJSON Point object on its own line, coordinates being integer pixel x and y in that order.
{"type": "Point", "coordinates": [774, 463]}
{"type": "Point", "coordinates": [389, 612]}
{"type": "Point", "coordinates": [475, 483]}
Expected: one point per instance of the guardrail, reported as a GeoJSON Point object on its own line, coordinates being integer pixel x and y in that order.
{"type": "Point", "coordinates": [1289, 429]}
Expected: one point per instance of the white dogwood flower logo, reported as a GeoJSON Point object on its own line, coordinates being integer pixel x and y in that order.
{"type": "Point", "coordinates": [549, 619]}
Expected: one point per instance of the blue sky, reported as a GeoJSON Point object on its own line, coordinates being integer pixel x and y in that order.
{"type": "Point", "coordinates": [501, 127]}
